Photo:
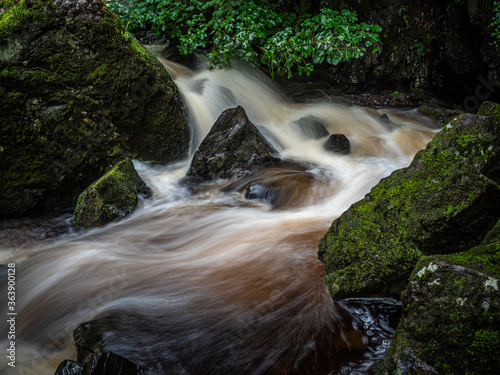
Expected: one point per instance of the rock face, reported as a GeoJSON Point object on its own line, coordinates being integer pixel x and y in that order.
{"type": "Point", "coordinates": [442, 46]}
{"type": "Point", "coordinates": [233, 144]}
{"type": "Point", "coordinates": [114, 195]}
{"type": "Point", "coordinates": [78, 94]}
{"type": "Point", "coordinates": [444, 202]}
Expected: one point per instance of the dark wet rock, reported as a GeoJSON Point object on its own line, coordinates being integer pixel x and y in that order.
{"type": "Point", "coordinates": [311, 127]}
{"type": "Point", "coordinates": [441, 115]}
{"type": "Point", "coordinates": [338, 143]}
{"type": "Point", "coordinates": [384, 119]}
{"type": "Point", "coordinates": [233, 144]}
{"type": "Point", "coordinates": [258, 191]}
{"type": "Point", "coordinates": [284, 185]}
{"type": "Point", "coordinates": [450, 321]}
{"type": "Point", "coordinates": [68, 367]}
{"type": "Point", "coordinates": [114, 195]}
{"type": "Point", "coordinates": [78, 94]}
{"type": "Point", "coordinates": [444, 202]}
{"type": "Point", "coordinates": [101, 363]}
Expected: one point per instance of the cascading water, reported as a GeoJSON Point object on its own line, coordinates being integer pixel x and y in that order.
{"type": "Point", "coordinates": [209, 282]}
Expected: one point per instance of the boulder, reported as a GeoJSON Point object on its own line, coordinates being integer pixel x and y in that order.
{"type": "Point", "coordinates": [450, 320]}
{"type": "Point", "coordinates": [114, 195]}
{"type": "Point", "coordinates": [78, 93]}
{"type": "Point", "coordinates": [338, 144]}
{"type": "Point", "coordinates": [444, 202]}
{"type": "Point", "coordinates": [233, 144]}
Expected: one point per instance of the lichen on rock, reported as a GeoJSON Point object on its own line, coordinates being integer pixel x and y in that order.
{"type": "Point", "coordinates": [450, 322]}
{"type": "Point", "coordinates": [113, 196]}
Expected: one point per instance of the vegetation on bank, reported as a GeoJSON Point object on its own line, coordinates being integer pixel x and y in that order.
{"type": "Point", "coordinates": [495, 21]}
{"type": "Point", "coordinates": [256, 31]}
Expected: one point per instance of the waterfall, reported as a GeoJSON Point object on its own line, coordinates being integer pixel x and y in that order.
{"type": "Point", "coordinates": [205, 281]}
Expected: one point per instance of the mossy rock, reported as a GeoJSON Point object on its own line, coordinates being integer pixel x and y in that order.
{"type": "Point", "coordinates": [444, 202]}
{"type": "Point", "coordinates": [113, 196]}
{"type": "Point", "coordinates": [450, 322]}
{"type": "Point", "coordinates": [77, 94]}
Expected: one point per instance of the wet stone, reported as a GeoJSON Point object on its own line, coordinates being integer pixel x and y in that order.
{"type": "Point", "coordinates": [311, 127]}
{"type": "Point", "coordinates": [338, 143]}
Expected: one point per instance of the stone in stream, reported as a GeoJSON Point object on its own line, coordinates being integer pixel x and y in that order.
{"type": "Point", "coordinates": [101, 363]}
{"type": "Point", "coordinates": [311, 127]}
{"type": "Point", "coordinates": [78, 93]}
{"type": "Point", "coordinates": [338, 144]}
{"type": "Point", "coordinates": [233, 144]}
{"type": "Point", "coordinates": [114, 195]}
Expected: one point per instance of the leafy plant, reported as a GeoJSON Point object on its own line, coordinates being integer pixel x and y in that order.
{"type": "Point", "coordinates": [495, 21]}
{"type": "Point", "coordinates": [254, 31]}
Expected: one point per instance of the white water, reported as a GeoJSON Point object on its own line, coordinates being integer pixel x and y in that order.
{"type": "Point", "coordinates": [209, 282]}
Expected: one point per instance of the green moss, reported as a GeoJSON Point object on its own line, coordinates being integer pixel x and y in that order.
{"type": "Point", "coordinates": [113, 195]}
{"type": "Point", "coordinates": [442, 203]}
{"type": "Point", "coordinates": [450, 321]}
{"type": "Point", "coordinates": [87, 93]}
{"type": "Point", "coordinates": [15, 13]}
{"type": "Point", "coordinates": [489, 109]}
{"type": "Point", "coordinates": [484, 257]}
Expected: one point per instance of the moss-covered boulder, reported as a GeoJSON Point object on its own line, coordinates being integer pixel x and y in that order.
{"type": "Point", "coordinates": [451, 316]}
{"type": "Point", "coordinates": [233, 144]}
{"type": "Point", "coordinates": [77, 94]}
{"type": "Point", "coordinates": [444, 202]}
{"type": "Point", "coordinates": [114, 195]}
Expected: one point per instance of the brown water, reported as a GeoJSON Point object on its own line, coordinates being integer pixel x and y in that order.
{"type": "Point", "coordinates": [203, 280]}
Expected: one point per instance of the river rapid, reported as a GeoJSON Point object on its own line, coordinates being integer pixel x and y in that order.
{"type": "Point", "coordinates": [201, 280]}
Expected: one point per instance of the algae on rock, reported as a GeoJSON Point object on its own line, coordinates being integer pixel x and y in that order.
{"type": "Point", "coordinates": [78, 94]}
{"type": "Point", "coordinates": [114, 195]}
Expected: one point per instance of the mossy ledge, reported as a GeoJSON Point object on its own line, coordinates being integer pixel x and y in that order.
{"type": "Point", "coordinates": [443, 203]}
{"type": "Point", "coordinates": [77, 95]}
{"type": "Point", "coordinates": [113, 196]}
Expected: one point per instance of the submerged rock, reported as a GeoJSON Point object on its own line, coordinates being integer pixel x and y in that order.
{"type": "Point", "coordinates": [78, 93]}
{"type": "Point", "coordinates": [444, 202]}
{"type": "Point", "coordinates": [338, 144]}
{"type": "Point", "coordinates": [233, 144]}
{"type": "Point", "coordinates": [101, 363]}
{"type": "Point", "coordinates": [311, 127]}
{"type": "Point", "coordinates": [114, 195]}
{"type": "Point", "coordinates": [285, 185]}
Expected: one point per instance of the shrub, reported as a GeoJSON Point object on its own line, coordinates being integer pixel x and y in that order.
{"type": "Point", "coordinates": [254, 31]}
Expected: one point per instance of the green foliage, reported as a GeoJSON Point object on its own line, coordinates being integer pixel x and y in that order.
{"type": "Point", "coordinates": [495, 21]}
{"type": "Point", "coordinates": [254, 31]}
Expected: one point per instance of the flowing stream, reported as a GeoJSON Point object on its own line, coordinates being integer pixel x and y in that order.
{"type": "Point", "coordinates": [201, 280]}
